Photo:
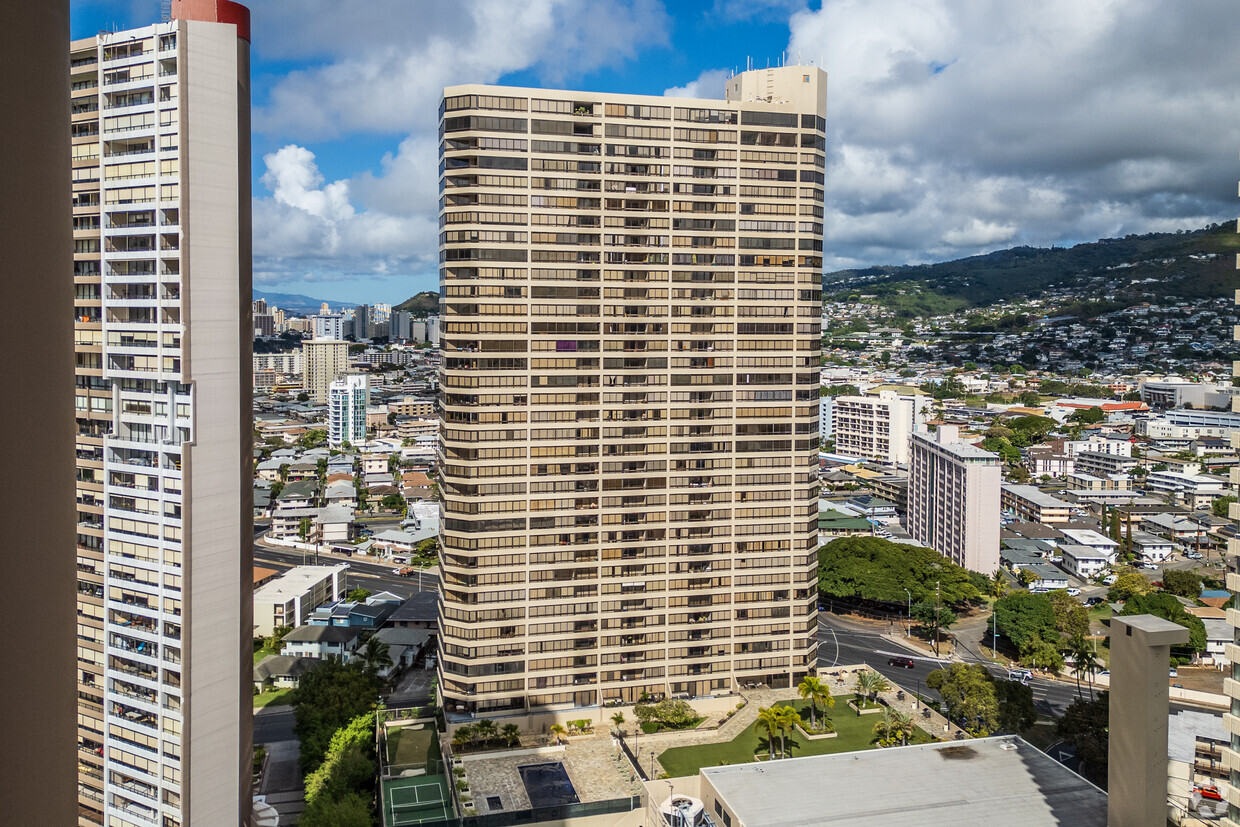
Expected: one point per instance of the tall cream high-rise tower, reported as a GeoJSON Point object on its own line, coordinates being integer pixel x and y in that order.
{"type": "Point", "coordinates": [631, 339]}
{"type": "Point", "coordinates": [161, 218]}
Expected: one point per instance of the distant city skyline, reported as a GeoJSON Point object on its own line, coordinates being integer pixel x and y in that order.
{"type": "Point", "coordinates": [953, 130]}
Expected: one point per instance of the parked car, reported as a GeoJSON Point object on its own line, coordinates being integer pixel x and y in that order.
{"type": "Point", "coordinates": [1093, 601]}
{"type": "Point", "coordinates": [1148, 566]}
{"type": "Point", "coordinates": [1193, 555]}
{"type": "Point", "coordinates": [1110, 579]}
{"type": "Point", "coordinates": [904, 663]}
{"type": "Point", "coordinates": [1022, 675]}
{"type": "Point", "coordinates": [1171, 673]}
{"type": "Point", "coordinates": [1073, 591]}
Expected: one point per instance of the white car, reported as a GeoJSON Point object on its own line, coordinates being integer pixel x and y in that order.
{"type": "Point", "coordinates": [1193, 555]}
{"type": "Point", "coordinates": [1110, 579]}
{"type": "Point", "coordinates": [1074, 592]}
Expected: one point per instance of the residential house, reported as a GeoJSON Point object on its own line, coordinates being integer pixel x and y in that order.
{"type": "Point", "coordinates": [421, 611]}
{"type": "Point", "coordinates": [323, 641]}
{"type": "Point", "coordinates": [1176, 527]}
{"type": "Point", "coordinates": [1150, 547]}
{"type": "Point", "coordinates": [269, 469]}
{"type": "Point", "coordinates": [342, 493]}
{"type": "Point", "coordinates": [334, 524]}
{"type": "Point", "coordinates": [281, 671]}
{"type": "Point", "coordinates": [1091, 539]}
{"type": "Point", "coordinates": [1084, 561]}
{"type": "Point", "coordinates": [286, 523]}
{"type": "Point", "coordinates": [303, 469]}
{"type": "Point", "coordinates": [297, 495]}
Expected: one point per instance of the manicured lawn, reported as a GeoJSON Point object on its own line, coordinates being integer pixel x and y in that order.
{"type": "Point", "coordinates": [259, 654]}
{"type": "Point", "coordinates": [280, 697]}
{"type": "Point", "coordinates": [856, 732]}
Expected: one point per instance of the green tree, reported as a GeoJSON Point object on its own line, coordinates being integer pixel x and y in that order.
{"type": "Point", "coordinates": [1088, 416]}
{"type": "Point", "coordinates": [313, 438]}
{"type": "Point", "coordinates": [1025, 618]}
{"type": "Point", "coordinates": [1071, 618]}
{"type": "Point", "coordinates": [303, 528]}
{"type": "Point", "coordinates": [618, 721]}
{"type": "Point", "coordinates": [321, 468]}
{"type": "Point", "coordinates": [393, 502]}
{"type": "Point", "coordinates": [933, 619]}
{"type": "Point", "coordinates": [1128, 583]}
{"type": "Point", "coordinates": [1182, 583]}
{"type": "Point", "coordinates": [788, 719]}
{"type": "Point", "coordinates": [350, 810]}
{"type": "Point", "coordinates": [558, 732]}
{"type": "Point", "coordinates": [326, 699]}
{"type": "Point", "coordinates": [511, 733]}
{"type": "Point", "coordinates": [358, 595]}
{"type": "Point", "coordinates": [377, 656]}
{"type": "Point", "coordinates": [1222, 506]}
{"type": "Point", "coordinates": [674, 713]}
{"type": "Point", "coordinates": [283, 473]}
{"type": "Point", "coordinates": [277, 487]}
{"type": "Point", "coordinates": [1115, 526]}
{"type": "Point", "coordinates": [1084, 661]}
{"type": "Point", "coordinates": [769, 722]}
{"type": "Point", "coordinates": [1016, 709]}
{"type": "Point", "coordinates": [1166, 606]}
{"type": "Point", "coordinates": [1084, 725]}
{"type": "Point", "coordinates": [276, 641]}
{"type": "Point", "coordinates": [812, 689]}
{"type": "Point", "coordinates": [872, 568]}
{"type": "Point", "coordinates": [968, 695]}
{"type": "Point", "coordinates": [893, 728]}
{"type": "Point", "coordinates": [1042, 654]}
{"type": "Point", "coordinates": [870, 685]}
{"type": "Point", "coordinates": [348, 771]}
{"type": "Point", "coordinates": [303, 397]}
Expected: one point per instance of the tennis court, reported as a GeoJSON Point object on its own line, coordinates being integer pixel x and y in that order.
{"type": "Point", "coordinates": [422, 799]}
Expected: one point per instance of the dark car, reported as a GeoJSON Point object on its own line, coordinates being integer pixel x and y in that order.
{"type": "Point", "coordinates": [906, 663]}
{"type": "Point", "coordinates": [1093, 601]}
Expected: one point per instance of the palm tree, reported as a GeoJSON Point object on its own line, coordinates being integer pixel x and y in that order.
{"type": "Point", "coordinates": [815, 691]}
{"type": "Point", "coordinates": [463, 736]}
{"type": "Point", "coordinates": [885, 727]}
{"type": "Point", "coordinates": [511, 734]}
{"type": "Point", "coordinates": [789, 718]}
{"type": "Point", "coordinates": [1086, 662]}
{"type": "Point", "coordinates": [618, 720]}
{"type": "Point", "coordinates": [486, 730]}
{"type": "Point", "coordinates": [871, 684]}
{"type": "Point", "coordinates": [376, 656]}
{"type": "Point", "coordinates": [768, 722]}
{"type": "Point", "coordinates": [557, 731]}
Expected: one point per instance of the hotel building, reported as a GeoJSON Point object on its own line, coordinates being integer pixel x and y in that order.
{"type": "Point", "coordinates": [161, 220]}
{"type": "Point", "coordinates": [631, 331]}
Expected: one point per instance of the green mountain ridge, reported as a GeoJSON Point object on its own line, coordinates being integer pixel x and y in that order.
{"type": "Point", "coordinates": [420, 305]}
{"type": "Point", "coordinates": [1115, 267]}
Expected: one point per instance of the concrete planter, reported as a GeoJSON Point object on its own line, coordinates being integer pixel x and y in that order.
{"type": "Point", "coordinates": [818, 737]}
{"type": "Point", "coordinates": [859, 711]}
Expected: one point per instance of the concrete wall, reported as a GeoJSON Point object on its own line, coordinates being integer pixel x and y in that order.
{"type": "Point", "coordinates": [38, 695]}
{"type": "Point", "coordinates": [218, 362]}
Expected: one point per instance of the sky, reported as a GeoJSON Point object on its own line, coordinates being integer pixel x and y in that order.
{"type": "Point", "coordinates": [955, 127]}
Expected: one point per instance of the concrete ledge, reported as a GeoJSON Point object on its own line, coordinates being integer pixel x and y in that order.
{"type": "Point", "coordinates": [819, 737]}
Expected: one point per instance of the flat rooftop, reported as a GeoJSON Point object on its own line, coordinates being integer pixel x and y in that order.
{"type": "Point", "coordinates": [295, 582]}
{"type": "Point", "coordinates": [985, 781]}
{"type": "Point", "coordinates": [1031, 493]}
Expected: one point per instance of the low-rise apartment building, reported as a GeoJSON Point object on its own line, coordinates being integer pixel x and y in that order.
{"type": "Point", "coordinates": [1029, 503]}
{"type": "Point", "coordinates": [291, 598]}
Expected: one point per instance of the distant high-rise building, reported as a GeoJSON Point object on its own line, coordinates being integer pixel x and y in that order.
{"type": "Point", "coordinates": [954, 498]}
{"type": "Point", "coordinates": [346, 409]}
{"type": "Point", "coordinates": [278, 320]}
{"type": "Point", "coordinates": [631, 342]}
{"type": "Point", "coordinates": [161, 171]}
{"type": "Point", "coordinates": [400, 326]}
{"type": "Point", "coordinates": [363, 324]}
{"type": "Point", "coordinates": [330, 326]}
{"type": "Point", "coordinates": [380, 312]}
{"type": "Point", "coordinates": [324, 309]}
{"type": "Point", "coordinates": [877, 426]}
{"type": "Point", "coordinates": [322, 361]}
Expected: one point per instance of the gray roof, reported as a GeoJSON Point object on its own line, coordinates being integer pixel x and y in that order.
{"type": "Point", "coordinates": [1034, 495]}
{"type": "Point", "coordinates": [335, 514]}
{"type": "Point", "coordinates": [300, 489]}
{"type": "Point", "coordinates": [423, 607]}
{"type": "Point", "coordinates": [283, 666]}
{"type": "Point", "coordinates": [1185, 727]}
{"type": "Point", "coordinates": [1002, 780]}
{"type": "Point", "coordinates": [316, 633]}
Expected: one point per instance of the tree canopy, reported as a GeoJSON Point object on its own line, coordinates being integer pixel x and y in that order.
{"type": "Point", "coordinates": [872, 568]}
{"type": "Point", "coordinates": [1222, 505]}
{"type": "Point", "coordinates": [1025, 619]}
{"type": "Point", "coordinates": [968, 694]}
{"type": "Point", "coordinates": [338, 792]}
{"type": "Point", "coordinates": [1128, 583]}
{"type": "Point", "coordinates": [1182, 583]}
{"type": "Point", "coordinates": [1084, 726]}
{"type": "Point", "coordinates": [328, 698]}
{"type": "Point", "coordinates": [1166, 606]}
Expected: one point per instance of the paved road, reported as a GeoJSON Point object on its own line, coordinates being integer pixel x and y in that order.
{"type": "Point", "coordinates": [273, 723]}
{"type": "Point", "coordinates": [362, 574]}
{"type": "Point", "coordinates": [842, 641]}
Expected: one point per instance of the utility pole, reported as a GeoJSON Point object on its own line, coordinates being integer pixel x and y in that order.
{"type": "Point", "coordinates": [909, 615]}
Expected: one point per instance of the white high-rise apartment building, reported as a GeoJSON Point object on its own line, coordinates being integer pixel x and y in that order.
{"type": "Point", "coordinates": [346, 409]}
{"type": "Point", "coordinates": [877, 426]}
{"type": "Point", "coordinates": [954, 499]}
{"type": "Point", "coordinates": [328, 326]}
{"type": "Point", "coordinates": [161, 172]}
{"type": "Point", "coordinates": [631, 332]}
{"type": "Point", "coordinates": [322, 361]}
